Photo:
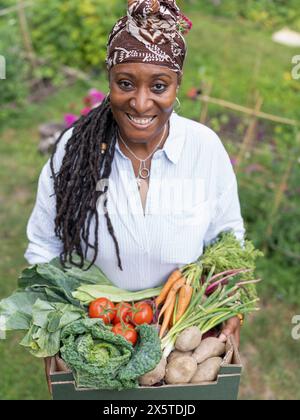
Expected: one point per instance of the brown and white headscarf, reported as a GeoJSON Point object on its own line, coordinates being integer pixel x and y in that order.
{"type": "Point", "coordinates": [152, 32]}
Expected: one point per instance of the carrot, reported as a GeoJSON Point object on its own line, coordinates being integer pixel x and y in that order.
{"type": "Point", "coordinates": [176, 286]}
{"type": "Point", "coordinates": [184, 298]}
{"type": "Point", "coordinates": [169, 283]}
{"type": "Point", "coordinates": [172, 320]}
{"type": "Point", "coordinates": [167, 315]}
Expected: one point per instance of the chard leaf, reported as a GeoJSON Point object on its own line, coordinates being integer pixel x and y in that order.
{"type": "Point", "coordinates": [17, 310]}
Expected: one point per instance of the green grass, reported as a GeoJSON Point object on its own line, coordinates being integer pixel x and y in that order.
{"type": "Point", "coordinates": [239, 60]}
{"type": "Point", "coordinates": [229, 52]}
{"type": "Point", "coordinates": [20, 164]}
{"type": "Point", "coordinates": [269, 353]}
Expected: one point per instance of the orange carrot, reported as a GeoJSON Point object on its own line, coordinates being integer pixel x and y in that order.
{"type": "Point", "coordinates": [167, 316]}
{"type": "Point", "coordinates": [176, 286]}
{"type": "Point", "coordinates": [184, 298]}
{"type": "Point", "coordinates": [169, 283]}
{"type": "Point", "coordinates": [172, 320]}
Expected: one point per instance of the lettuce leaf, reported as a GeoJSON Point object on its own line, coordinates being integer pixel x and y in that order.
{"type": "Point", "coordinates": [47, 321]}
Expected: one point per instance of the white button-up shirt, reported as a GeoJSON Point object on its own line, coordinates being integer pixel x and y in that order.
{"type": "Point", "coordinates": [192, 197]}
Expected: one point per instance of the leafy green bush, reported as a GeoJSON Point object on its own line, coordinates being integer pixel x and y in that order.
{"type": "Point", "coordinates": [266, 13]}
{"type": "Point", "coordinates": [13, 88]}
{"type": "Point", "coordinates": [73, 32]}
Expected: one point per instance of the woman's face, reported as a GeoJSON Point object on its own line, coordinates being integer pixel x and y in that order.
{"type": "Point", "coordinates": [142, 99]}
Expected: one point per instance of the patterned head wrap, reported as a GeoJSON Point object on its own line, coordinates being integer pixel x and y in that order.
{"type": "Point", "coordinates": [152, 32]}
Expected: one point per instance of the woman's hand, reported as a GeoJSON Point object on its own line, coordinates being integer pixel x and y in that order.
{"type": "Point", "coordinates": [47, 361]}
{"type": "Point", "coordinates": [231, 327]}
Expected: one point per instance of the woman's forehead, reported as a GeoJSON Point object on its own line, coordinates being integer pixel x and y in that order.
{"type": "Point", "coordinates": [142, 70]}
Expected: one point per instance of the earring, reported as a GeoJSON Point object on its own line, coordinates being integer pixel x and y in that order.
{"type": "Point", "coordinates": [178, 105]}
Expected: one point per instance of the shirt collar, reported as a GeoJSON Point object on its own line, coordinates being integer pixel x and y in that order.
{"type": "Point", "coordinates": [174, 143]}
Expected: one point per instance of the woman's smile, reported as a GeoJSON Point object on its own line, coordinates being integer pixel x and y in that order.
{"type": "Point", "coordinates": [139, 122]}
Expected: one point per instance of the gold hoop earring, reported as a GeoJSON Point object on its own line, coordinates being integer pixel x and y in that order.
{"type": "Point", "coordinates": [178, 105]}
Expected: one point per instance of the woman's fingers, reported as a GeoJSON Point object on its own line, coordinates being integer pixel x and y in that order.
{"type": "Point", "coordinates": [232, 327]}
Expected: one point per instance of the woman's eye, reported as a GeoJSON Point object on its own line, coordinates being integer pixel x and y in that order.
{"type": "Point", "coordinates": [159, 87]}
{"type": "Point", "coordinates": [124, 84]}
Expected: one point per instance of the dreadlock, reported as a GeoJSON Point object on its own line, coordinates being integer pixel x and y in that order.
{"type": "Point", "coordinates": [75, 184]}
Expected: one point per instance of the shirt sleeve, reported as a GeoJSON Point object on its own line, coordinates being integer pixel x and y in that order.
{"type": "Point", "coordinates": [226, 209]}
{"type": "Point", "coordinates": [43, 244]}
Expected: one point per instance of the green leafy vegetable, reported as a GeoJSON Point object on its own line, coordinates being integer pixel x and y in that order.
{"type": "Point", "coordinates": [147, 353]}
{"type": "Point", "coordinates": [226, 253]}
{"type": "Point", "coordinates": [102, 360]}
{"type": "Point", "coordinates": [58, 284]}
{"type": "Point", "coordinates": [95, 354]}
{"type": "Point", "coordinates": [17, 310]}
{"type": "Point", "coordinates": [87, 293]}
{"type": "Point", "coordinates": [47, 321]}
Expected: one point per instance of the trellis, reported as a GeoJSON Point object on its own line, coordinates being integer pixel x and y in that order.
{"type": "Point", "coordinates": [247, 143]}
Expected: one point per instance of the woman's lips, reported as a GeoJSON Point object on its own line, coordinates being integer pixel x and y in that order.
{"type": "Point", "coordinates": [140, 122]}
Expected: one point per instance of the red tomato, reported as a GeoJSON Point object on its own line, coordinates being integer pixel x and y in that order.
{"type": "Point", "coordinates": [127, 331]}
{"type": "Point", "coordinates": [102, 308]}
{"type": "Point", "coordinates": [141, 313]}
{"type": "Point", "coordinates": [122, 310]}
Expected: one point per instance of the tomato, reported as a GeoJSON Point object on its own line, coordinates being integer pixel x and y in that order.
{"type": "Point", "coordinates": [102, 308]}
{"type": "Point", "coordinates": [141, 313]}
{"type": "Point", "coordinates": [122, 310]}
{"type": "Point", "coordinates": [127, 331]}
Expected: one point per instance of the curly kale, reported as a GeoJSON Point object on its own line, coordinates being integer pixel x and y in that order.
{"type": "Point", "coordinates": [102, 360]}
{"type": "Point", "coordinates": [146, 356]}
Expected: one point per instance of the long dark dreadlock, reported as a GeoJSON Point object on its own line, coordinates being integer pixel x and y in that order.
{"type": "Point", "coordinates": [75, 183]}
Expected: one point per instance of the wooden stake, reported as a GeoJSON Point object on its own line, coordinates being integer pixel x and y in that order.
{"type": "Point", "coordinates": [204, 107]}
{"type": "Point", "coordinates": [278, 199]}
{"type": "Point", "coordinates": [249, 111]}
{"type": "Point", "coordinates": [250, 134]}
{"type": "Point", "coordinates": [26, 35]}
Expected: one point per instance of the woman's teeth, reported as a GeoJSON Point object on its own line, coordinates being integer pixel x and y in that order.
{"type": "Point", "coordinates": [141, 121]}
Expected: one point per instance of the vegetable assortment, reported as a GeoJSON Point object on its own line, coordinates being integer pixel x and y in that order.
{"type": "Point", "coordinates": [118, 339]}
{"type": "Point", "coordinates": [108, 344]}
{"type": "Point", "coordinates": [220, 286]}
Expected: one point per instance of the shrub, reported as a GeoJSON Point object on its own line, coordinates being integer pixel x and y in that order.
{"type": "Point", "coordinates": [266, 13]}
{"type": "Point", "coordinates": [73, 32]}
{"type": "Point", "coordinates": [12, 89]}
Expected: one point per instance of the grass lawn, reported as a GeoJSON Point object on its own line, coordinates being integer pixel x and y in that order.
{"type": "Point", "coordinates": [238, 59]}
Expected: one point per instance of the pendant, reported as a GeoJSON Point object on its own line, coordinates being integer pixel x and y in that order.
{"type": "Point", "coordinates": [144, 171]}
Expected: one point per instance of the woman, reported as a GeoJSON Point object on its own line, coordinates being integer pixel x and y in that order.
{"type": "Point", "coordinates": [133, 187]}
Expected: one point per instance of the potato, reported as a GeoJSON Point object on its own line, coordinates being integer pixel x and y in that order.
{"type": "Point", "coordinates": [177, 353]}
{"type": "Point", "coordinates": [207, 371]}
{"type": "Point", "coordinates": [155, 375]}
{"type": "Point", "coordinates": [210, 347]}
{"type": "Point", "coordinates": [188, 339]}
{"type": "Point", "coordinates": [180, 370]}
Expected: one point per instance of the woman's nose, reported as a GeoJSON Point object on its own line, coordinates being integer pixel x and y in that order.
{"type": "Point", "coordinates": [141, 102]}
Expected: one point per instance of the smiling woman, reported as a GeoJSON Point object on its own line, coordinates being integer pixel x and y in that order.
{"type": "Point", "coordinates": [132, 186]}
{"type": "Point", "coordinates": [142, 101]}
